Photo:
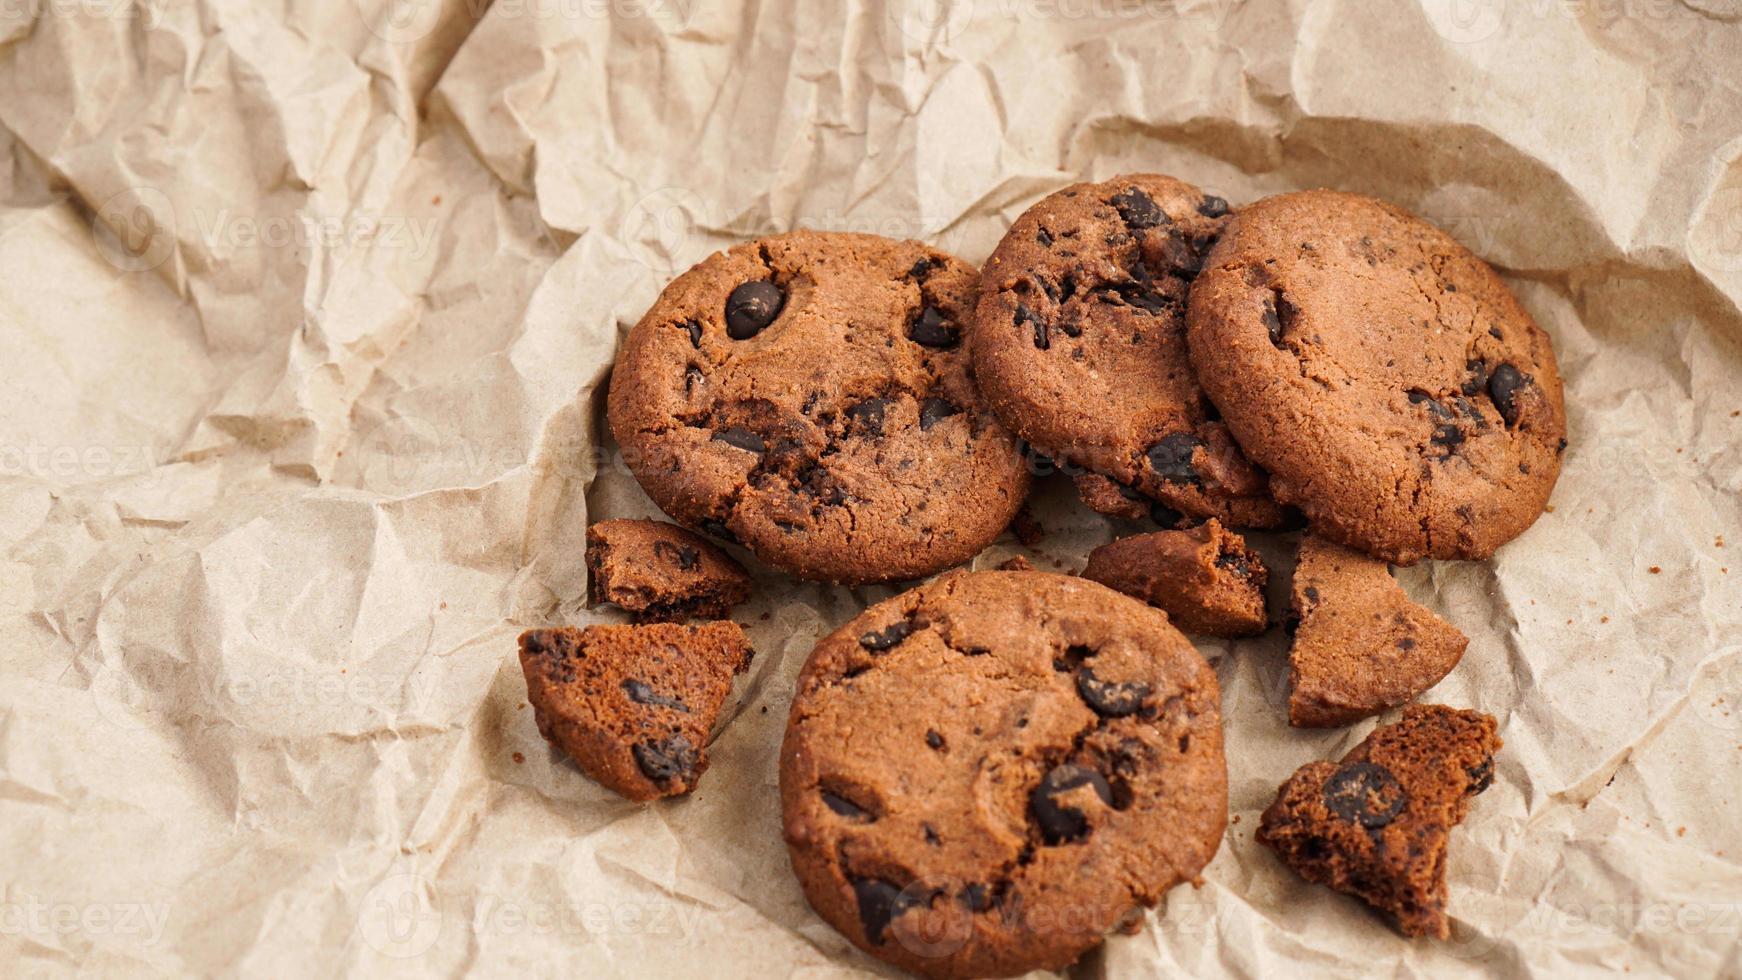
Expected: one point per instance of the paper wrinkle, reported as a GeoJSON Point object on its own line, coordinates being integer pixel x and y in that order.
{"type": "Point", "coordinates": [309, 313]}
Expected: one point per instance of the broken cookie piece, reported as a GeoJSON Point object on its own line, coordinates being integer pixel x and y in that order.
{"type": "Point", "coordinates": [1375, 825]}
{"type": "Point", "coordinates": [1360, 645]}
{"type": "Point", "coordinates": [1112, 499]}
{"type": "Point", "coordinates": [662, 573]}
{"type": "Point", "coordinates": [1206, 579]}
{"type": "Point", "coordinates": [633, 705]}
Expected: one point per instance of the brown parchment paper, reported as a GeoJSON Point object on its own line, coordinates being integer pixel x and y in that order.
{"type": "Point", "coordinates": [305, 312]}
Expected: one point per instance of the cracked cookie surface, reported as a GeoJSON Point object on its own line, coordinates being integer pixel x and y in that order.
{"type": "Point", "coordinates": [1391, 384]}
{"type": "Point", "coordinates": [633, 705]}
{"type": "Point", "coordinates": [808, 395]}
{"type": "Point", "coordinates": [984, 775]}
{"type": "Point", "coordinates": [1079, 344]}
{"type": "Point", "coordinates": [1375, 825]}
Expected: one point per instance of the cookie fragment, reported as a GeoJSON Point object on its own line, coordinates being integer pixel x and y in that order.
{"type": "Point", "coordinates": [1360, 644]}
{"type": "Point", "coordinates": [662, 573]}
{"type": "Point", "coordinates": [1031, 764]}
{"type": "Point", "coordinates": [1078, 342]}
{"type": "Point", "coordinates": [1375, 825]}
{"type": "Point", "coordinates": [1206, 579]}
{"type": "Point", "coordinates": [633, 705]}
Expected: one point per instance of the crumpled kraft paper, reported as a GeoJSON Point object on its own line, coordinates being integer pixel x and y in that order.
{"type": "Point", "coordinates": [306, 310]}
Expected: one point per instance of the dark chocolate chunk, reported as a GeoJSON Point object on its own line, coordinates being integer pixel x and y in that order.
{"type": "Point", "coordinates": [1171, 458]}
{"type": "Point", "coordinates": [1503, 387]}
{"type": "Point", "coordinates": [889, 636]}
{"type": "Point", "coordinates": [1481, 776]}
{"type": "Point", "coordinates": [930, 328]}
{"type": "Point", "coordinates": [870, 413]}
{"type": "Point", "coordinates": [879, 903]}
{"type": "Point", "coordinates": [1138, 210]}
{"type": "Point", "coordinates": [1060, 822]}
{"type": "Point", "coordinates": [1365, 793]}
{"type": "Point", "coordinates": [1107, 698]}
{"type": "Point", "coordinates": [922, 268]}
{"type": "Point", "coordinates": [933, 739]}
{"type": "Point", "coordinates": [935, 410]}
{"type": "Point", "coordinates": [1212, 206]}
{"type": "Point", "coordinates": [640, 693]}
{"type": "Point", "coordinates": [694, 327]}
{"type": "Point", "coordinates": [692, 376]}
{"type": "Point", "coordinates": [845, 807]}
{"type": "Point", "coordinates": [683, 556]}
{"type": "Point", "coordinates": [663, 760]}
{"type": "Point", "coordinates": [751, 307]}
{"type": "Point", "coordinates": [1024, 314]}
{"type": "Point", "coordinates": [740, 437]}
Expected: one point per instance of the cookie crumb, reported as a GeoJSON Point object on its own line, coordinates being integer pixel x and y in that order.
{"type": "Point", "coordinates": [1681, 831]}
{"type": "Point", "coordinates": [1655, 570]}
{"type": "Point", "coordinates": [1028, 531]}
{"type": "Point", "coordinates": [519, 759]}
{"type": "Point", "coordinates": [1605, 619]}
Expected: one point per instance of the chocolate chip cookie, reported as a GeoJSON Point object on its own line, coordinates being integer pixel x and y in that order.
{"type": "Point", "coordinates": [1079, 344]}
{"type": "Point", "coordinates": [633, 705]}
{"type": "Point", "coordinates": [1375, 825]}
{"type": "Point", "coordinates": [662, 573]}
{"type": "Point", "coordinates": [1386, 378]}
{"type": "Point", "coordinates": [1360, 645]}
{"type": "Point", "coordinates": [1205, 579]}
{"type": "Point", "coordinates": [984, 775]}
{"type": "Point", "coordinates": [808, 396]}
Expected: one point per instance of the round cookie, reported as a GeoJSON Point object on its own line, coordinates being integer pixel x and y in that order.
{"type": "Point", "coordinates": [984, 775]}
{"type": "Point", "coordinates": [807, 396]}
{"type": "Point", "coordinates": [1078, 342]}
{"type": "Point", "coordinates": [1387, 379]}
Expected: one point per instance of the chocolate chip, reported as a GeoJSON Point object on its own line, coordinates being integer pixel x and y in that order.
{"type": "Point", "coordinates": [1109, 699]}
{"type": "Point", "coordinates": [1060, 822]}
{"type": "Point", "coordinates": [846, 807]}
{"type": "Point", "coordinates": [935, 410]}
{"type": "Point", "coordinates": [1448, 437]}
{"type": "Point", "coordinates": [930, 328]}
{"type": "Point", "coordinates": [889, 636]}
{"type": "Point", "coordinates": [879, 903]}
{"type": "Point", "coordinates": [977, 897]}
{"type": "Point", "coordinates": [1138, 210]}
{"type": "Point", "coordinates": [1024, 314]}
{"type": "Point", "coordinates": [740, 437]}
{"type": "Point", "coordinates": [692, 376]}
{"type": "Point", "coordinates": [1212, 206]}
{"type": "Point", "coordinates": [751, 307]}
{"type": "Point", "coordinates": [1280, 316]}
{"type": "Point", "coordinates": [1365, 793]}
{"type": "Point", "coordinates": [695, 331]}
{"type": "Point", "coordinates": [1481, 776]}
{"type": "Point", "coordinates": [1237, 562]}
{"type": "Point", "coordinates": [1503, 388]}
{"type": "Point", "coordinates": [933, 739]}
{"type": "Point", "coordinates": [683, 556]}
{"type": "Point", "coordinates": [640, 693]}
{"type": "Point", "coordinates": [667, 759]}
{"type": "Point", "coordinates": [1419, 397]}
{"type": "Point", "coordinates": [1477, 380]}
{"type": "Point", "coordinates": [870, 413]}
{"type": "Point", "coordinates": [922, 268]}
{"type": "Point", "coordinates": [1273, 322]}
{"type": "Point", "coordinates": [1171, 458]}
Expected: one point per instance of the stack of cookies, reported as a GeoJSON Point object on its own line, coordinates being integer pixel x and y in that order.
{"type": "Point", "coordinates": [992, 771]}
